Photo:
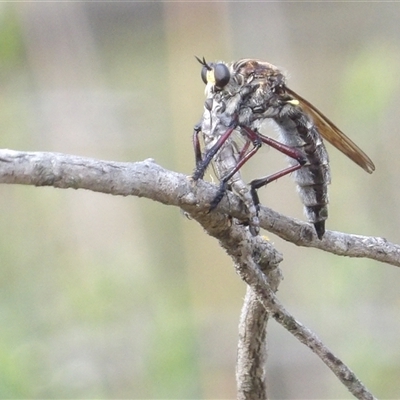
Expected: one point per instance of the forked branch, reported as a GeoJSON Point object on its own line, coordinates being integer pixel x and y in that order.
{"type": "Point", "coordinates": [255, 259]}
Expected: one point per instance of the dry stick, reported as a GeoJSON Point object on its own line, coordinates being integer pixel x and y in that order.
{"type": "Point", "coordinates": [251, 377]}
{"type": "Point", "coordinates": [150, 180]}
{"type": "Point", "coordinates": [147, 179]}
{"type": "Point", "coordinates": [248, 253]}
{"type": "Point", "coordinates": [252, 346]}
{"type": "Point", "coordinates": [258, 282]}
{"type": "Point", "coordinates": [251, 363]}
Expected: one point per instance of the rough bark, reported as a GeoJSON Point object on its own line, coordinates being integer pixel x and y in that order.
{"type": "Point", "coordinates": [255, 259]}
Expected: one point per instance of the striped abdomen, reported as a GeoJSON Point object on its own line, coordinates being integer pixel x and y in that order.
{"type": "Point", "coordinates": [298, 130]}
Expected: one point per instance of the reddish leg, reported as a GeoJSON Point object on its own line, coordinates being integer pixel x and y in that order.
{"type": "Point", "coordinates": [257, 139]}
{"type": "Point", "coordinates": [204, 163]}
{"type": "Point", "coordinates": [292, 152]}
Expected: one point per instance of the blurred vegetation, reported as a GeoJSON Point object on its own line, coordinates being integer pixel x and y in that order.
{"type": "Point", "coordinates": [106, 297]}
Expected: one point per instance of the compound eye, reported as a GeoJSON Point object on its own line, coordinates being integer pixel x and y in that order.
{"type": "Point", "coordinates": [204, 71]}
{"type": "Point", "coordinates": [221, 75]}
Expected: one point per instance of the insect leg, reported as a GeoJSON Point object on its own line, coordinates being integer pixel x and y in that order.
{"type": "Point", "coordinates": [291, 152]}
{"type": "Point", "coordinates": [204, 163]}
{"type": "Point", "coordinates": [258, 139]}
{"type": "Point", "coordinates": [196, 143]}
{"type": "Point", "coordinates": [258, 183]}
{"type": "Point", "coordinates": [244, 150]}
{"type": "Point", "coordinates": [243, 158]}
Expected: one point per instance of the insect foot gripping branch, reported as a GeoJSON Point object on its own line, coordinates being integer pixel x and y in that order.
{"type": "Point", "coordinates": [240, 96]}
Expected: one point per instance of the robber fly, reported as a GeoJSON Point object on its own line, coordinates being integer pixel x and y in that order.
{"type": "Point", "coordinates": [240, 96]}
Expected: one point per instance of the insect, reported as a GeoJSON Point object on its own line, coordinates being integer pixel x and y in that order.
{"type": "Point", "coordinates": [240, 96]}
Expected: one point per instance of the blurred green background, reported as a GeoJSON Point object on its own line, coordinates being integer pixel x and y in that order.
{"type": "Point", "coordinates": [108, 297]}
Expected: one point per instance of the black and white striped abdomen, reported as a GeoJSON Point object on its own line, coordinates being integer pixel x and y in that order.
{"type": "Point", "coordinates": [298, 130]}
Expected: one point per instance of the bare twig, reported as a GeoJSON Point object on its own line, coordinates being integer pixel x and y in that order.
{"type": "Point", "coordinates": [259, 284]}
{"type": "Point", "coordinates": [255, 259]}
{"type": "Point", "coordinates": [252, 349]}
{"type": "Point", "coordinates": [252, 346]}
{"type": "Point", "coordinates": [256, 263]}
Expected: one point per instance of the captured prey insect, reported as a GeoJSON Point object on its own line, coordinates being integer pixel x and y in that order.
{"type": "Point", "coordinates": [240, 96]}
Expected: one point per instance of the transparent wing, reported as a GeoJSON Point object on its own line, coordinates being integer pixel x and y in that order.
{"type": "Point", "coordinates": [334, 135]}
